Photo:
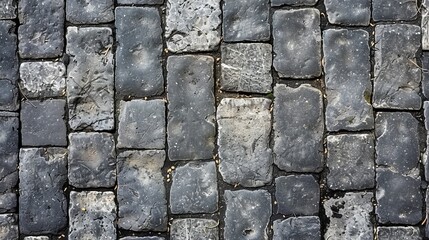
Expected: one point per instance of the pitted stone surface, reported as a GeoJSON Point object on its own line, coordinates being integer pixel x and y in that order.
{"type": "Point", "coordinates": [403, 233]}
{"type": "Point", "coordinates": [349, 12]}
{"type": "Point", "coordinates": [8, 202]}
{"type": "Point", "coordinates": [297, 228]}
{"type": "Point", "coordinates": [243, 140]}
{"type": "Point", "coordinates": [293, 2]}
{"type": "Point", "coordinates": [89, 11]}
{"type": "Point", "coordinates": [8, 9]}
{"type": "Point", "coordinates": [149, 2]}
{"type": "Point", "coordinates": [43, 79]}
{"type": "Point", "coordinates": [9, 226]}
{"type": "Point", "coordinates": [298, 128]}
{"type": "Point", "coordinates": [194, 228]}
{"type": "Point", "coordinates": [9, 147]}
{"type": "Point", "coordinates": [386, 10]}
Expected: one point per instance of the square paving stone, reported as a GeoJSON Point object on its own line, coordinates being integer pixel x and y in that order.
{"type": "Point", "coordinates": [194, 228]}
{"type": "Point", "coordinates": [89, 11]}
{"type": "Point", "coordinates": [246, 67]}
{"type": "Point", "coordinates": [349, 12]}
{"type": "Point", "coordinates": [142, 124]}
{"type": "Point", "coordinates": [387, 10]}
{"type": "Point", "coordinates": [8, 9]}
{"type": "Point", "coordinates": [194, 189]}
{"type": "Point", "coordinates": [42, 123]}
{"type": "Point", "coordinates": [402, 233]}
{"type": "Point", "coordinates": [9, 147]}
{"type": "Point", "coordinates": [246, 20]}
{"type": "Point", "coordinates": [92, 160]}
{"type": "Point", "coordinates": [297, 228]}
{"type": "Point", "coordinates": [9, 226]}
{"type": "Point", "coordinates": [8, 202]}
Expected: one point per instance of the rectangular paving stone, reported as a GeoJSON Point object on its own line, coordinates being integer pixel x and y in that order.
{"type": "Point", "coordinates": [349, 12]}
{"type": "Point", "coordinates": [194, 228]}
{"type": "Point", "coordinates": [8, 9]}
{"type": "Point", "coordinates": [36, 238]}
{"type": "Point", "coordinates": [139, 52]}
{"type": "Point", "coordinates": [141, 191]}
{"type": "Point", "coordinates": [424, 9]}
{"type": "Point", "coordinates": [425, 73]}
{"type": "Point", "coordinates": [403, 233]}
{"type": "Point", "coordinates": [298, 128]}
{"type": "Point", "coordinates": [276, 3]}
{"type": "Point", "coordinates": [90, 80]}
{"type": "Point", "coordinates": [42, 200]}
{"type": "Point", "coordinates": [386, 10]}
{"type": "Point", "coordinates": [8, 202]}
{"type": "Point", "coordinates": [9, 147]}
{"type": "Point", "coordinates": [89, 12]}
{"type": "Point", "coordinates": [41, 33]}
{"type": "Point", "coordinates": [347, 80]}
{"type": "Point", "coordinates": [243, 140]}
{"type": "Point", "coordinates": [9, 226]}
{"type": "Point", "coordinates": [297, 43]}
{"type": "Point", "coordinates": [425, 156]}
{"type": "Point", "coordinates": [191, 104]}
{"type": "Point", "coordinates": [296, 228]}
{"type": "Point", "coordinates": [149, 2]}
{"type": "Point", "coordinates": [142, 238]}
{"type": "Point", "coordinates": [396, 74]}
{"type": "Point", "coordinates": [8, 96]}
{"type": "Point", "coordinates": [43, 79]}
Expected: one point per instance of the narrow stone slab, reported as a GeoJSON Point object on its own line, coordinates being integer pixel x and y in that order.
{"type": "Point", "coordinates": [348, 80]}
{"type": "Point", "coordinates": [9, 226]}
{"type": "Point", "coordinates": [243, 140]}
{"type": "Point", "coordinates": [149, 2]}
{"type": "Point", "coordinates": [425, 72]}
{"type": "Point", "coordinates": [297, 228]}
{"type": "Point", "coordinates": [8, 9]}
{"type": "Point", "coordinates": [142, 238]}
{"type": "Point", "coordinates": [403, 233]}
{"type": "Point", "coordinates": [397, 76]}
{"type": "Point", "coordinates": [36, 238]}
{"type": "Point", "coordinates": [8, 67]}
{"type": "Point", "coordinates": [349, 12]}
{"type": "Point", "coordinates": [141, 191]}
{"type": "Point", "coordinates": [298, 128]}
{"type": "Point", "coordinates": [297, 43]}
{"type": "Point", "coordinates": [424, 8]}
{"type": "Point", "coordinates": [191, 104]}
{"type": "Point", "coordinates": [9, 147]}
{"type": "Point", "coordinates": [8, 96]}
{"type": "Point", "coordinates": [139, 52]}
{"type": "Point", "coordinates": [90, 78]}
{"type": "Point", "coordinates": [43, 79]}
{"type": "Point", "coordinates": [194, 228]}
{"type": "Point", "coordinates": [425, 157]}
{"type": "Point", "coordinates": [276, 3]}
{"type": "Point", "coordinates": [89, 12]}
{"type": "Point", "coordinates": [42, 201]}
{"type": "Point", "coordinates": [386, 10]}
{"type": "Point", "coordinates": [247, 214]}
{"type": "Point", "coordinates": [8, 202]}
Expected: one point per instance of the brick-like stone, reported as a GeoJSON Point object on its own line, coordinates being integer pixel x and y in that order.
{"type": "Point", "coordinates": [349, 217]}
{"type": "Point", "coordinates": [275, 3]}
{"type": "Point", "coordinates": [149, 2]}
{"type": "Point", "coordinates": [43, 124]}
{"type": "Point", "coordinates": [92, 160]}
{"type": "Point", "coordinates": [297, 43]}
{"type": "Point", "coordinates": [396, 73]}
{"type": "Point", "coordinates": [296, 228]}
{"type": "Point", "coordinates": [194, 189]}
{"type": "Point", "coordinates": [246, 67]}
{"type": "Point", "coordinates": [298, 128]}
{"type": "Point", "coordinates": [9, 226]}
{"type": "Point", "coordinates": [43, 79]}
{"type": "Point", "coordinates": [243, 140]}
{"type": "Point", "coordinates": [142, 124]}
{"type": "Point", "coordinates": [194, 228]}
{"type": "Point", "coordinates": [89, 12]}
{"type": "Point", "coordinates": [349, 12]}
{"type": "Point", "coordinates": [141, 191]}
{"type": "Point", "coordinates": [139, 52]}
{"type": "Point", "coordinates": [386, 10]}
{"type": "Point", "coordinates": [191, 104]}
{"type": "Point", "coordinates": [8, 67]}
{"type": "Point", "coordinates": [403, 233]}
{"type": "Point", "coordinates": [246, 20]}
{"type": "Point", "coordinates": [42, 201]}
{"type": "Point", "coordinates": [348, 80]}
{"type": "Point", "coordinates": [90, 78]}
{"type": "Point", "coordinates": [425, 72]}
{"type": "Point", "coordinates": [9, 147]}
{"type": "Point", "coordinates": [8, 9]}
{"type": "Point", "coordinates": [92, 215]}
{"type": "Point", "coordinates": [192, 25]}
{"type": "Point", "coordinates": [41, 33]}
{"type": "Point", "coordinates": [8, 202]}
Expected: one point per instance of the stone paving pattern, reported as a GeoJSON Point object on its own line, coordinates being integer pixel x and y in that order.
{"type": "Point", "coordinates": [215, 119]}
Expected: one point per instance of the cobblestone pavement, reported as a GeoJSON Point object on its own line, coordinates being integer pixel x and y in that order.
{"type": "Point", "coordinates": [214, 119]}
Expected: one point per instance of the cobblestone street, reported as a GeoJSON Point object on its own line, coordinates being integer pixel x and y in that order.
{"type": "Point", "coordinates": [214, 119]}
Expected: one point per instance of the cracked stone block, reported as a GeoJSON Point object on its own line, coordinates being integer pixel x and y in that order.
{"type": "Point", "coordinates": [194, 188]}
{"type": "Point", "coordinates": [297, 228]}
{"type": "Point", "coordinates": [92, 215]}
{"type": "Point", "coordinates": [43, 79]}
{"type": "Point", "coordinates": [298, 128]}
{"type": "Point", "coordinates": [403, 233]}
{"type": "Point", "coordinates": [139, 52]}
{"type": "Point", "coordinates": [247, 214]}
{"type": "Point", "coordinates": [191, 104]}
{"type": "Point", "coordinates": [425, 73]}
{"type": "Point", "coordinates": [8, 202]}
{"type": "Point", "coordinates": [350, 161]}
{"type": "Point", "coordinates": [396, 74]}
{"type": "Point", "coordinates": [92, 160]}
{"type": "Point", "coordinates": [42, 123]}
{"type": "Point", "coordinates": [243, 140]}
{"type": "Point", "coordinates": [297, 195]}
{"type": "Point", "coordinates": [349, 12]}
{"type": "Point", "coordinates": [349, 216]}
{"type": "Point", "coordinates": [42, 201]}
{"type": "Point", "coordinates": [348, 80]}
{"type": "Point", "coordinates": [192, 25]}
{"type": "Point", "coordinates": [41, 33]}
{"type": "Point", "coordinates": [398, 10]}
{"type": "Point", "coordinates": [90, 80]}
{"type": "Point", "coordinates": [8, 9]}
{"type": "Point", "coordinates": [246, 67]}
{"type": "Point", "coordinates": [89, 11]}
{"type": "Point", "coordinates": [9, 226]}
{"type": "Point", "coordinates": [141, 191]}
{"type": "Point", "coordinates": [142, 124]}
{"type": "Point", "coordinates": [194, 228]}
{"type": "Point", "coordinates": [9, 147]}
{"type": "Point", "coordinates": [36, 238]}
{"type": "Point", "coordinates": [297, 43]}
{"type": "Point", "coordinates": [142, 238]}
{"type": "Point", "coordinates": [246, 20]}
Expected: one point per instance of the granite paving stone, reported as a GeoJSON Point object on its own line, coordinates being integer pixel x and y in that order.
{"type": "Point", "coordinates": [276, 3]}
{"type": "Point", "coordinates": [385, 10]}
{"type": "Point", "coordinates": [243, 140]}
{"type": "Point", "coordinates": [89, 11]}
{"type": "Point", "coordinates": [8, 202]}
{"type": "Point", "coordinates": [9, 147]}
{"type": "Point", "coordinates": [9, 226]}
{"type": "Point", "coordinates": [148, 2]}
{"type": "Point", "coordinates": [349, 12]}
{"type": "Point", "coordinates": [297, 228]}
{"type": "Point", "coordinates": [194, 228]}
{"type": "Point", "coordinates": [8, 96]}
{"type": "Point", "coordinates": [425, 73]}
{"type": "Point", "coordinates": [424, 9]}
{"type": "Point", "coordinates": [142, 238]}
{"type": "Point", "coordinates": [403, 233]}
{"type": "Point", "coordinates": [8, 9]}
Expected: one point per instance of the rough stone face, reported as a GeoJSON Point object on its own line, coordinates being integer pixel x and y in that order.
{"type": "Point", "coordinates": [296, 228]}
{"type": "Point", "coordinates": [385, 10]}
{"type": "Point", "coordinates": [191, 105]}
{"type": "Point", "coordinates": [8, 202]}
{"type": "Point", "coordinates": [194, 189]}
{"type": "Point", "coordinates": [91, 160]}
{"type": "Point", "coordinates": [293, 2]}
{"type": "Point", "coordinates": [298, 128]}
{"type": "Point", "coordinates": [350, 161]}
{"type": "Point", "coordinates": [247, 214]}
{"type": "Point", "coordinates": [141, 191]}
{"type": "Point", "coordinates": [9, 147]}
{"type": "Point", "coordinates": [9, 226]}
{"type": "Point", "coordinates": [140, 2]}
{"type": "Point", "coordinates": [194, 228]}
{"type": "Point", "coordinates": [349, 12]}
{"type": "Point", "coordinates": [41, 33]}
{"type": "Point", "coordinates": [43, 79]}
{"type": "Point", "coordinates": [42, 202]}
{"type": "Point", "coordinates": [43, 124]}
{"type": "Point", "coordinates": [243, 140]}
{"type": "Point", "coordinates": [92, 215]}
{"type": "Point", "coordinates": [424, 8]}
{"type": "Point", "coordinates": [8, 9]}
{"type": "Point", "coordinates": [347, 78]}
{"type": "Point", "coordinates": [139, 52]}
{"type": "Point", "coordinates": [246, 20]}
{"type": "Point", "coordinates": [142, 124]}
{"type": "Point", "coordinates": [397, 76]}
{"type": "Point", "coordinates": [90, 78]}
{"type": "Point", "coordinates": [8, 67]}
{"type": "Point", "coordinates": [349, 217]}
{"type": "Point", "coordinates": [403, 233]}
{"type": "Point", "coordinates": [246, 67]}
{"type": "Point", "coordinates": [297, 43]}
{"type": "Point", "coordinates": [89, 12]}
{"type": "Point", "coordinates": [425, 73]}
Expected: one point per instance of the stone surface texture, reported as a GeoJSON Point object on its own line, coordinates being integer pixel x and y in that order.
{"type": "Point", "coordinates": [89, 12]}
{"type": "Point", "coordinates": [296, 228]}
{"type": "Point", "coordinates": [349, 12]}
{"type": "Point", "coordinates": [43, 79]}
{"type": "Point", "coordinates": [405, 233]}
{"type": "Point", "coordinates": [194, 228]}
{"type": "Point", "coordinates": [394, 10]}
{"type": "Point", "coordinates": [8, 9]}
{"type": "Point", "coordinates": [9, 148]}
{"type": "Point", "coordinates": [9, 226]}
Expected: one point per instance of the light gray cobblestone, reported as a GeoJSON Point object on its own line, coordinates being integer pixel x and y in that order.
{"type": "Point", "coordinates": [194, 228]}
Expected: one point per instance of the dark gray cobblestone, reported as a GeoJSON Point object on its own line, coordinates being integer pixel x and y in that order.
{"type": "Point", "coordinates": [89, 12]}
{"type": "Point", "coordinates": [349, 12]}
{"type": "Point", "coordinates": [9, 148]}
{"type": "Point", "coordinates": [385, 10]}
{"type": "Point", "coordinates": [142, 238]}
{"type": "Point", "coordinates": [8, 202]}
{"type": "Point", "coordinates": [293, 2]}
{"type": "Point", "coordinates": [297, 228]}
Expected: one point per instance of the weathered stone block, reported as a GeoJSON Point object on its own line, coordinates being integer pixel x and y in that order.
{"type": "Point", "coordinates": [194, 228]}
{"type": "Point", "coordinates": [8, 202]}
{"type": "Point", "coordinates": [9, 226]}
{"type": "Point", "coordinates": [142, 238]}
{"type": "Point", "coordinates": [8, 58]}
{"type": "Point", "coordinates": [403, 233]}
{"type": "Point", "coordinates": [8, 9]}
{"type": "Point", "coordinates": [89, 12]}
{"type": "Point", "coordinates": [297, 228]}
{"type": "Point", "coordinates": [43, 79]}
{"type": "Point", "coordinates": [9, 147]}
{"type": "Point", "coordinates": [293, 2]}
{"type": "Point", "coordinates": [424, 8]}
{"type": "Point", "coordinates": [36, 238]}
{"type": "Point", "coordinates": [349, 12]}
{"type": "Point", "coordinates": [425, 72]}
{"type": "Point", "coordinates": [8, 96]}
{"type": "Point", "coordinates": [386, 10]}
